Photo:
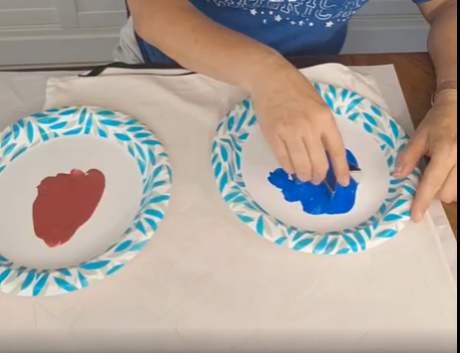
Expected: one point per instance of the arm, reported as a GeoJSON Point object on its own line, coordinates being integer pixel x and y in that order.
{"type": "Point", "coordinates": [443, 39]}
{"type": "Point", "coordinates": [437, 136]}
{"type": "Point", "coordinates": [295, 120]}
{"type": "Point", "coordinates": [199, 44]}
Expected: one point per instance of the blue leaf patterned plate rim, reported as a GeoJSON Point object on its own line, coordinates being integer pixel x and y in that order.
{"type": "Point", "coordinates": [394, 213]}
{"type": "Point", "coordinates": [153, 162]}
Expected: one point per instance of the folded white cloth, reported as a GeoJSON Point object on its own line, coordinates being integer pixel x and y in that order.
{"type": "Point", "coordinates": [208, 283]}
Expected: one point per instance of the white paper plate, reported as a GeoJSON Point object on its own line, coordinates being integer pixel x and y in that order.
{"type": "Point", "coordinates": [242, 162]}
{"type": "Point", "coordinates": [137, 192]}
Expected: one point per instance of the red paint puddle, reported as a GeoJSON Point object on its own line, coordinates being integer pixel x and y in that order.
{"type": "Point", "coordinates": [65, 203]}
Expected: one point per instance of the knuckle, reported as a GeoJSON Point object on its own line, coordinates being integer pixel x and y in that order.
{"type": "Point", "coordinates": [329, 119]}
{"type": "Point", "coordinates": [304, 173]}
{"type": "Point", "coordinates": [434, 180]}
{"type": "Point", "coordinates": [449, 151]}
{"type": "Point", "coordinates": [294, 122]}
{"type": "Point", "coordinates": [320, 171]}
{"type": "Point", "coordinates": [325, 115]}
{"type": "Point", "coordinates": [339, 157]}
{"type": "Point", "coordinates": [286, 127]}
{"type": "Point", "coordinates": [323, 111]}
{"type": "Point", "coordinates": [304, 168]}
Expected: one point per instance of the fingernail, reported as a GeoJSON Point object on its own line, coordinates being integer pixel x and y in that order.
{"type": "Point", "coordinates": [345, 181]}
{"type": "Point", "coordinates": [418, 217]}
{"type": "Point", "coordinates": [303, 179]}
{"type": "Point", "coordinates": [399, 170]}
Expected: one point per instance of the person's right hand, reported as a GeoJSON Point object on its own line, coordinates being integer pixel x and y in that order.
{"type": "Point", "coordinates": [299, 125]}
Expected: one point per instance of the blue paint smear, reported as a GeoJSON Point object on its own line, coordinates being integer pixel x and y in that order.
{"type": "Point", "coordinates": [318, 199]}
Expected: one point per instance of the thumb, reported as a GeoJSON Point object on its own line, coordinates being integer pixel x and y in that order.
{"type": "Point", "coordinates": [411, 156]}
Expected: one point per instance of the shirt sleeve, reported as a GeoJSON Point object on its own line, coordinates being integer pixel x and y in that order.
{"type": "Point", "coordinates": [422, 1]}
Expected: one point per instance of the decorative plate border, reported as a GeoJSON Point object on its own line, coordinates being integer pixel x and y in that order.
{"type": "Point", "coordinates": [153, 164]}
{"type": "Point", "coordinates": [392, 217]}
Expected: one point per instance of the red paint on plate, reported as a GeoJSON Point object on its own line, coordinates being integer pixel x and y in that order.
{"type": "Point", "coordinates": [65, 203]}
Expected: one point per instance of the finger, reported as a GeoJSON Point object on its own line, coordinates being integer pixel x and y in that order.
{"type": "Point", "coordinates": [411, 156]}
{"type": "Point", "coordinates": [318, 157]}
{"type": "Point", "coordinates": [435, 176]}
{"type": "Point", "coordinates": [281, 153]}
{"type": "Point", "coordinates": [299, 158]}
{"type": "Point", "coordinates": [449, 190]}
{"type": "Point", "coordinates": [335, 146]}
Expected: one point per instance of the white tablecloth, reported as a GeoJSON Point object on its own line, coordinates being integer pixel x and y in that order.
{"type": "Point", "coordinates": [206, 282]}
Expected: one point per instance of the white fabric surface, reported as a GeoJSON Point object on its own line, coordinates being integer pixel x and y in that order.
{"type": "Point", "coordinates": [208, 283]}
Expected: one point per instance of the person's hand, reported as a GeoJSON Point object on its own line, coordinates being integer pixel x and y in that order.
{"type": "Point", "coordinates": [436, 138]}
{"type": "Point", "coordinates": [299, 126]}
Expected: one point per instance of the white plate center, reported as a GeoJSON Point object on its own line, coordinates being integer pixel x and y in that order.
{"type": "Point", "coordinates": [258, 161]}
{"type": "Point", "coordinates": [113, 216]}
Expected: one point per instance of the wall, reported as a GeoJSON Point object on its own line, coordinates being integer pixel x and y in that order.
{"type": "Point", "coordinates": [59, 31]}
{"type": "Point", "coordinates": [388, 26]}
{"type": "Point", "coordinates": [66, 32]}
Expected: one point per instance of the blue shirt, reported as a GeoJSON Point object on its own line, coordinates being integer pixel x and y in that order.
{"type": "Point", "coordinates": [292, 27]}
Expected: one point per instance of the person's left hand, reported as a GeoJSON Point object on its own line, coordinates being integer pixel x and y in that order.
{"type": "Point", "coordinates": [436, 138]}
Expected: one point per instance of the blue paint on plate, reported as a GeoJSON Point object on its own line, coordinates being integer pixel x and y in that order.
{"type": "Point", "coordinates": [318, 199]}
{"type": "Point", "coordinates": [347, 105]}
